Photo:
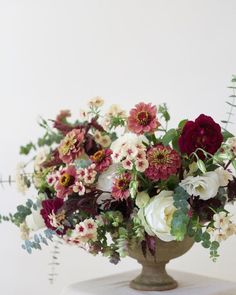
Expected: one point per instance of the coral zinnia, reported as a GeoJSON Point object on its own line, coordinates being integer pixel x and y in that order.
{"type": "Point", "coordinates": [163, 162]}
{"type": "Point", "coordinates": [120, 189]}
{"type": "Point", "coordinates": [102, 159]}
{"type": "Point", "coordinates": [71, 147]}
{"type": "Point", "coordinates": [142, 118]}
{"type": "Point", "coordinates": [66, 181]}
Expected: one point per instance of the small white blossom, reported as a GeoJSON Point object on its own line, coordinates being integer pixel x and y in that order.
{"type": "Point", "coordinates": [224, 176]}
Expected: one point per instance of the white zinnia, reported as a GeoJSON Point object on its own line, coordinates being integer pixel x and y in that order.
{"type": "Point", "coordinates": [205, 186]}
{"type": "Point", "coordinates": [157, 216]}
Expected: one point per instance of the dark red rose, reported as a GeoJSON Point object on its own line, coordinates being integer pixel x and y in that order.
{"type": "Point", "coordinates": [204, 133]}
{"type": "Point", "coordinates": [51, 207]}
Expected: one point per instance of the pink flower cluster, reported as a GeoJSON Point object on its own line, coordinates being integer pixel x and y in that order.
{"type": "Point", "coordinates": [70, 180]}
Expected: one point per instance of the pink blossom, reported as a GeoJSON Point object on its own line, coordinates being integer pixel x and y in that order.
{"type": "Point", "coordinates": [66, 181]}
{"type": "Point", "coordinates": [142, 119]}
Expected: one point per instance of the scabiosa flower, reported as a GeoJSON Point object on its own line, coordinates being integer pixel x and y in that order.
{"type": "Point", "coordinates": [71, 147]}
{"type": "Point", "coordinates": [66, 181]}
{"type": "Point", "coordinates": [120, 189]}
{"type": "Point", "coordinates": [51, 215]}
{"type": "Point", "coordinates": [102, 159]}
{"type": "Point", "coordinates": [163, 162]}
{"type": "Point", "coordinates": [142, 118]}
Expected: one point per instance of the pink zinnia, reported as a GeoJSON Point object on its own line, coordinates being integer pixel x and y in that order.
{"type": "Point", "coordinates": [142, 118]}
{"type": "Point", "coordinates": [163, 162]}
{"type": "Point", "coordinates": [71, 147]}
{"type": "Point", "coordinates": [102, 159]}
{"type": "Point", "coordinates": [67, 179]}
{"type": "Point", "coordinates": [120, 189]}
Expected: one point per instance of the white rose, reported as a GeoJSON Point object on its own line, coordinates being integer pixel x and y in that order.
{"type": "Point", "coordinates": [156, 216]}
{"type": "Point", "coordinates": [35, 220]}
{"type": "Point", "coordinates": [205, 186]}
{"type": "Point", "coordinates": [105, 182]}
{"type": "Point", "coordinates": [224, 176]}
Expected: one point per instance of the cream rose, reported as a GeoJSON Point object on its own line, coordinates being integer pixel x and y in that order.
{"type": "Point", "coordinates": [35, 221]}
{"type": "Point", "coordinates": [205, 186]}
{"type": "Point", "coordinates": [157, 215]}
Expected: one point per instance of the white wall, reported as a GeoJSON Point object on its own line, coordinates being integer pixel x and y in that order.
{"type": "Point", "coordinates": [55, 54]}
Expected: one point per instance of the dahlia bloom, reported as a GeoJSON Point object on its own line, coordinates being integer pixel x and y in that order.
{"type": "Point", "coordinates": [71, 147]}
{"type": "Point", "coordinates": [202, 133]}
{"type": "Point", "coordinates": [163, 162]}
{"type": "Point", "coordinates": [49, 212]}
{"type": "Point", "coordinates": [120, 189]}
{"type": "Point", "coordinates": [142, 119]}
{"type": "Point", "coordinates": [102, 159]}
{"type": "Point", "coordinates": [66, 181]}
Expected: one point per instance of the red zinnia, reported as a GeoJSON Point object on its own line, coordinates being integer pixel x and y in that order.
{"type": "Point", "coordinates": [203, 133]}
{"type": "Point", "coordinates": [163, 162]}
{"type": "Point", "coordinates": [142, 118]}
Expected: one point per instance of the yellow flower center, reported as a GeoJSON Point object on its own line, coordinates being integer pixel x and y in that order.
{"type": "Point", "coordinates": [66, 180]}
{"type": "Point", "coordinates": [98, 156]}
{"type": "Point", "coordinates": [143, 118]}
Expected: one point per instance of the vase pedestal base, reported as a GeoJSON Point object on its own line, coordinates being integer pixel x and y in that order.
{"type": "Point", "coordinates": [153, 278]}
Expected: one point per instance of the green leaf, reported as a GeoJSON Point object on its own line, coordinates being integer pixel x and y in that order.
{"type": "Point", "coordinates": [25, 150]}
{"type": "Point", "coordinates": [226, 134]}
{"type": "Point", "coordinates": [181, 199]}
{"type": "Point", "coordinates": [179, 225]}
{"type": "Point", "coordinates": [163, 110]}
{"type": "Point", "coordinates": [182, 123]}
{"type": "Point", "coordinates": [169, 136]}
{"type": "Point", "coordinates": [201, 166]}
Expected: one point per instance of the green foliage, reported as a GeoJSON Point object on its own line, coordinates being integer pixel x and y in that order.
{"type": "Point", "coordinates": [179, 225]}
{"type": "Point", "coordinates": [117, 121]}
{"type": "Point", "coordinates": [181, 199]}
{"type": "Point", "coordinates": [20, 215]}
{"type": "Point", "coordinates": [26, 149]}
{"type": "Point", "coordinates": [232, 104]}
{"type": "Point", "coordinates": [169, 136]}
{"type": "Point", "coordinates": [163, 110]}
{"type": "Point", "coordinates": [38, 240]}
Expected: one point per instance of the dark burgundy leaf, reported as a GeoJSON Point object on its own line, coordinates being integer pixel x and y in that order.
{"type": "Point", "coordinates": [232, 190]}
{"type": "Point", "coordinates": [144, 247]}
{"type": "Point", "coordinates": [151, 244]}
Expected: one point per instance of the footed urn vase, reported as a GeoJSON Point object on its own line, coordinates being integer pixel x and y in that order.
{"type": "Point", "coordinates": [154, 276]}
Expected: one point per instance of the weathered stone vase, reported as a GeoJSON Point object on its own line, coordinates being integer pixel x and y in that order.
{"type": "Point", "coordinates": [154, 276]}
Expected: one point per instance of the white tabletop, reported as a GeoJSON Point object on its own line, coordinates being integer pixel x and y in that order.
{"type": "Point", "coordinates": [189, 284]}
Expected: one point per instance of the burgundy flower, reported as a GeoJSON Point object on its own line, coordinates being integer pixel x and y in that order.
{"type": "Point", "coordinates": [102, 159]}
{"type": "Point", "coordinates": [203, 133]}
{"type": "Point", "coordinates": [142, 118]}
{"type": "Point", "coordinates": [163, 162]}
{"type": "Point", "coordinates": [52, 218]}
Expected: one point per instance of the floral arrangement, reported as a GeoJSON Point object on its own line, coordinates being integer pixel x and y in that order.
{"type": "Point", "coordinates": [106, 182]}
